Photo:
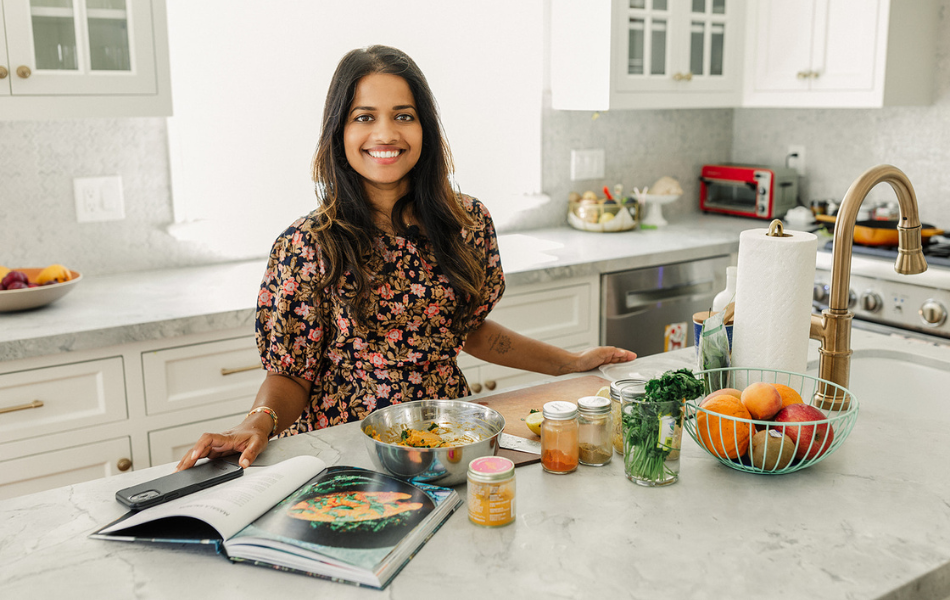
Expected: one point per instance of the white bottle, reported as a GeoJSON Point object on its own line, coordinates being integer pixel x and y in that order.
{"type": "Point", "coordinates": [727, 295]}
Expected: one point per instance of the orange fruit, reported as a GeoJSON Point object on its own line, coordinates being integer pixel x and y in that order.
{"type": "Point", "coordinates": [789, 395]}
{"type": "Point", "coordinates": [725, 438]}
{"type": "Point", "coordinates": [762, 400]}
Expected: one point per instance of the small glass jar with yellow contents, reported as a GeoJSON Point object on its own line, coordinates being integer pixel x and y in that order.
{"type": "Point", "coordinates": [491, 491]}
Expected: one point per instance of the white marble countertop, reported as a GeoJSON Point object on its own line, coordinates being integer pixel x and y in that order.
{"type": "Point", "coordinates": [872, 520]}
{"type": "Point", "coordinates": [132, 307]}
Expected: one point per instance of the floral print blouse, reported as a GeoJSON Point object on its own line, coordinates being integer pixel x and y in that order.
{"type": "Point", "coordinates": [411, 352]}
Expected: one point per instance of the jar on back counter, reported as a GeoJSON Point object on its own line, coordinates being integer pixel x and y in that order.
{"type": "Point", "coordinates": [491, 491]}
{"type": "Point", "coordinates": [594, 431]}
{"type": "Point", "coordinates": [559, 449]}
{"type": "Point", "coordinates": [633, 386]}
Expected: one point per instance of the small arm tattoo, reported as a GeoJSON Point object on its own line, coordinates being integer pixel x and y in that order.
{"type": "Point", "coordinates": [500, 344]}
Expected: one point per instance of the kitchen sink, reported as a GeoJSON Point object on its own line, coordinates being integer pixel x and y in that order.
{"type": "Point", "coordinates": [894, 374]}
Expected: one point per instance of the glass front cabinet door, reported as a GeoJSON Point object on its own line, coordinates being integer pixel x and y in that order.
{"type": "Point", "coordinates": [78, 47]}
{"type": "Point", "coordinates": [679, 46]}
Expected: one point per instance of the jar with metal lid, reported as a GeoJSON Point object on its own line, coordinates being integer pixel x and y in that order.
{"type": "Point", "coordinates": [491, 491]}
{"type": "Point", "coordinates": [594, 431]}
{"type": "Point", "coordinates": [634, 388]}
{"type": "Point", "coordinates": [559, 450]}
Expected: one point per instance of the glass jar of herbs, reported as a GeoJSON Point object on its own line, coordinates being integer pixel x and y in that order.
{"type": "Point", "coordinates": [653, 427]}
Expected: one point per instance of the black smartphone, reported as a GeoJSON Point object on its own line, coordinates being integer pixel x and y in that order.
{"type": "Point", "coordinates": [178, 484]}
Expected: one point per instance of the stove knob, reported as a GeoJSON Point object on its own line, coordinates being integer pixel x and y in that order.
{"type": "Point", "coordinates": [852, 298]}
{"type": "Point", "coordinates": [933, 312]}
{"type": "Point", "coordinates": [871, 302]}
{"type": "Point", "coordinates": [820, 293]}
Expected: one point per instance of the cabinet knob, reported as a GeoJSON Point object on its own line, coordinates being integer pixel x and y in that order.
{"type": "Point", "coordinates": [24, 71]}
{"type": "Point", "coordinates": [124, 464]}
{"type": "Point", "coordinates": [490, 384]}
{"type": "Point", "coordinates": [3, 72]}
{"type": "Point", "coordinates": [803, 74]}
{"type": "Point", "coordinates": [813, 74]}
{"type": "Point", "coordinates": [476, 388]}
{"type": "Point", "coordinates": [683, 76]}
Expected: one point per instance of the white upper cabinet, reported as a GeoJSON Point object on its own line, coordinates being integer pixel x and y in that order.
{"type": "Point", "coordinates": [840, 53]}
{"type": "Point", "coordinates": [646, 54]}
{"type": "Point", "coordinates": [84, 58]}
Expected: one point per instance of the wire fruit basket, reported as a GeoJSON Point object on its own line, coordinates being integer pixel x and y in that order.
{"type": "Point", "coordinates": [783, 447]}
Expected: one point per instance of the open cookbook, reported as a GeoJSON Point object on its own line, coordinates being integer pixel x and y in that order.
{"type": "Point", "coordinates": [340, 523]}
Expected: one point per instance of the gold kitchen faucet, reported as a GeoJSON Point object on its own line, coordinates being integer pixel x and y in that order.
{"type": "Point", "coordinates": [833, 326]}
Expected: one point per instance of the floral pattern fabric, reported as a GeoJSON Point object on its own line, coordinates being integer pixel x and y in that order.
{"type": "Point", "coordinates": [410, 352]}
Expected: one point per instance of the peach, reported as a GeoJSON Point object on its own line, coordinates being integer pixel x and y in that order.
{"type": "Point", "coordinates": [762, 400]}
{"type": "Point", "coordinates": [727, 391]}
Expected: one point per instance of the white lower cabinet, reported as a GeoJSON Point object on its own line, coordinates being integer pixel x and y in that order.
{"type": "Point", "coordinates": [560, 313]}
{"type": "Point", "coordinates": [168, 445]}
{"type": "Point", "coordinates": [88, 414]}
{"type": "Point", "coordinates": [47, 470]}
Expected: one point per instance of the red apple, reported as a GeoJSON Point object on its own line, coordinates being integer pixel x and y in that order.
{"type": "Point", "coordinates": [812, 440]}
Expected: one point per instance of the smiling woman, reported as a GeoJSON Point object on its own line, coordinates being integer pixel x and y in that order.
{"type": "Point", "coordinates": [246, 110]}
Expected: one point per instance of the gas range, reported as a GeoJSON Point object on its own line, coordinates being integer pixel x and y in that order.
{"type": "Point", "coordinates": [883, 299]}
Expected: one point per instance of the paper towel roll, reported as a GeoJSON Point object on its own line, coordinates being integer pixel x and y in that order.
{"type": "Point", "coordinates": [775, 277]}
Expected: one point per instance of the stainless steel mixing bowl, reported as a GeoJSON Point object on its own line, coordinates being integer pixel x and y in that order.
{"type": "Point", "coordinates": [440, 466]}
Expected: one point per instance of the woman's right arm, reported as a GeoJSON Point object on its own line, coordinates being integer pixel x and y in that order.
{"type": "Point", "coordinates": [285, 395]}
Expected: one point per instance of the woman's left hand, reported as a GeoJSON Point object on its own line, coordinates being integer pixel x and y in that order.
{"type": "Point", "coordinates": [595, 357]}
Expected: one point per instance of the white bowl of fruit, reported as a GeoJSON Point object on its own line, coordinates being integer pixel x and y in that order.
{"type": "Point", "coordinates": [27, 288]}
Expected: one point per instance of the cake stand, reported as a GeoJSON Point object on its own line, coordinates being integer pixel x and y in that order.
{"type": "Point", "coordinates": [653, 216]}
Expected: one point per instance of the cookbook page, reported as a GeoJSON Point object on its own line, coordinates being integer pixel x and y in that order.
{"type": "Point", "coordinates": [229, 507]}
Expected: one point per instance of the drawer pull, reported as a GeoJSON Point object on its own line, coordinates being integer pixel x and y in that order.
{"type": "Point", "coordinates": [124, 464]}
{"type": "Point", "coordinates": [239, 370]}
{"type": "Point", "coordinates": [34, 404]}
{"type": "Point", "coordinates": [491, 384]}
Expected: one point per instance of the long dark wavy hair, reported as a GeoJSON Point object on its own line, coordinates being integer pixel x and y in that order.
{"type": "Point", "coordinates": [345, 227]}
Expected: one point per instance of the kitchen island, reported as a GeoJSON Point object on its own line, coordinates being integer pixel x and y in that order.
{"type": "Point", "coordinates": [870, 521]}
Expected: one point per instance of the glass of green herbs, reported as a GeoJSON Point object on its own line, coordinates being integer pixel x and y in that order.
{"type": "Point", "coordinates": [653, 427]}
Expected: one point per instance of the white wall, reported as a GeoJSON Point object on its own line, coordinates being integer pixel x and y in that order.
{"type": "Point", "coordinates": [249, 78]}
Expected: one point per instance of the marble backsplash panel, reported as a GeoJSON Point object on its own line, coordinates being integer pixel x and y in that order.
{"type": "Point", "coordinates": [38, 162]}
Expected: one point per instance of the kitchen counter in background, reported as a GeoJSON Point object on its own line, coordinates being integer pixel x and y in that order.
{"type": "Point", "coordinates": [150, 305]}
{"type": "Point", "coordinates": [869, 521]}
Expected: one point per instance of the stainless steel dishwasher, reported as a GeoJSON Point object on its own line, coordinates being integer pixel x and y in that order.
{"type": "Point", "coordinates": [650, 310]}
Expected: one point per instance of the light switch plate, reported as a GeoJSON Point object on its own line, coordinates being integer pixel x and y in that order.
{"type": "Point", "coordinates": [587, 164]}
{"type": "Point", "coordinates": [98, 199]}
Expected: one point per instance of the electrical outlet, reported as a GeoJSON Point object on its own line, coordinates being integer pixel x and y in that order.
{"type": "Point", "coordinates": [796, 162]}
{"type": "Point", "coordinates": [98, 199]}
{"type": "Point", "coordinates": [587, 164]}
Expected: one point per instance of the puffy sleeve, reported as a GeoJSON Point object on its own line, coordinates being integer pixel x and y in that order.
{"type": "Point", "coordinates": [291, 313]}
{"type": "Point", "coordinates": [484, 238]}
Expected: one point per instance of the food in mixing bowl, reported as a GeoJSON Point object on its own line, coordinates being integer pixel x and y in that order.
{"type": "Point", "coordinates": [435, 435]}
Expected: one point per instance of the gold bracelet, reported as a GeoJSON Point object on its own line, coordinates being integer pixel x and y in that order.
{"type": "Point", "coordinates": [269, 411]}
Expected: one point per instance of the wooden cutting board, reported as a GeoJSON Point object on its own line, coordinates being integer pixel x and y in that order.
{"type": "Point", "coordinates": [516, 405]}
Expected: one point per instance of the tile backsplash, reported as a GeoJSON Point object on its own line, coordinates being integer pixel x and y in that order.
{"type": "Point", "coordinates": [39, 159]}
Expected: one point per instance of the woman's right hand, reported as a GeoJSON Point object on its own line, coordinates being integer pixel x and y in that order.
{"type": "Point", "coordinates": [247, 439]}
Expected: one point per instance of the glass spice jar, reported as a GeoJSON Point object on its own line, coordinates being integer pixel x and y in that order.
{"type": "Point", "coordinates": [594, 431]}
{"type": "Point", "coordinates": [491, 491]}
{"type": "Point", "coordinates": [635, 388]}
{"type": "Point", "coordinates": [559, 450]}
